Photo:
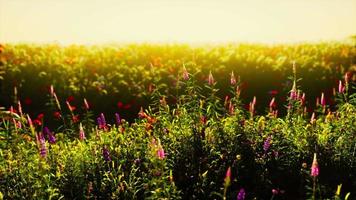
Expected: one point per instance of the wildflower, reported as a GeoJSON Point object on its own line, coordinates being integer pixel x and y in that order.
{"type": "Point", "coordinates": [185, 73]}
{"type": "Point", "coordinates": [19, 107]}
{"type": "Point", "coordinates": [241, 195]}
{"type": "Point", "coordinates": [341, 87]}
{"type": "Point", "coordinates": [231, 108]}
{"type": "Point", "coordinates": [49, 134]}
{"type": "Point", "coordinates": [70, 99]}
{"type": "Point", "coordinates": [57, 115]}
{"type": "Point", "coordinates": [118, 119]}
{"type": "Point", "coordinates": [57, 101]}
{"type": "Point", "coordinates": [211, 80]}
{"type": "Point", "coordinates": [347, 77]}
{"type": "Point", "coordinates": [43, 149]}
{"type": "Point", "coordinates": [227, 178]}
{"type": "Point", "coordinates": [106, 154]}
{"type": "Point", "coordinates": [75, 118]}
{"type": "Point", "coordinates": [293, 92]}
{"type": "Point", "coordinates": [254, 100]}
{"type": "Point", "coordinates": [302, 98]}
{"type": "Point", "coordinates": [81, 132]}
{"type": "Point", "coordinates": [232, 79]}
{"type": "Point", "coordinates": [51, 90]}
{"type": "Point", "coordinates": [86, 105]}
{"type": "Point", "coordinates": [267, 143]}
{"type": "Point", "coordinates": [275, 191]}
{"type": "Point", "coordinates": [102, 117]}
{"type": "Point", "coordinates": [71, 108]}
{"type": "Point", "coordinates": [160, 153]}
{"type": "Point", "coordinates": [315, 168]}
{"type": "Point", "coordinates": [312, 119]}
{"type": "Point", "coordinates": [322, 100]}
{"type": "Point", "coordinates": [272, 104]}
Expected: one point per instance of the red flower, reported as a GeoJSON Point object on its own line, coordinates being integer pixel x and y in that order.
{"type": "Point", "coordinates": [273, 92]}
{"type": "Point", "coordinates": [37, 122]}
{"type": "Point", "coordinates": [57, 115]}
{"type": "Point", "coordinates": [40, 116]}
{"type": "Point", "coordinates": [120, 104]}
{"type": "Point", "coordinates": [75, 118]}
{"type": "Point", "coordinates": [70, 99]}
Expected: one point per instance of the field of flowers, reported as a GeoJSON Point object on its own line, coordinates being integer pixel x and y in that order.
{"type": "Point", "coordinates": [177, 122]}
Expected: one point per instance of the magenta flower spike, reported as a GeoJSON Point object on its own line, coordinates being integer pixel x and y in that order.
{"type": "Point", "coordinates": [51, 90]}
{"type": "Point", "coordinates": [312, 119]}
{"type": "Point", "coordinates": [241, 195]}
{"type": "Point", "coordinates": [185, 73]}
{"type": "Point", "coordinates": [232, 79]}
{"type": "Point", "coordinates": [43, 149]}
{"type": "Point", "coordinates": [160, 153]}
{"type": "Point", "coordinates": [86, 105]}
{"type": "Point", "coordinates": [227, 178]}
{"type": "Point", "coordinates": [267, 143]}
{"type": "Point", "coordinates": [322, 100]}
{"type": "Point", "coordinates": [231, 108]}
{"type": "Point", "coordinates": [211, 80]}
{"type": "Point", "coordinates": [272, 104]}
{"type": "Point", "coordinates": [341, 87]}
{"type": "Point", "coordinates": [315, 167]}
{"type": "Point", "coordinates": [81, 132]}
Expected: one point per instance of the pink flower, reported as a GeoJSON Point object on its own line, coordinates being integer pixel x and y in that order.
{"type": "Point", "coordinates": [315, 167]}
{"type": "Point", "coordinates": [227, 178]}
{"type": "Point", "coordinates": [232, 79]}
{"type": "Point", "coordinates": [160, 153]}
{"type": "Point", "coordinates": [86, 105]}
{"type": "Point", "coordinates": [272, 104]}
{"type": "Point", "coordinates": [341, 87]}
{"type": "Point", "coordinates": [211, 80]}
{"type": "Point", "coordinates": [185, 73]}
{"type": "Point", "coordinates": [81, 132]}
{"type": "Point", "coordinates": [322, 100]}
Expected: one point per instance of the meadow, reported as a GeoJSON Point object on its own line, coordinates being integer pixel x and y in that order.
{"type": "Point", "coordinates": [233, 121]}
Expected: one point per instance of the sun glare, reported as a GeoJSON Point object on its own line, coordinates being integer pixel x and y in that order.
{"type": "Point", "coordinates": [94, 21]}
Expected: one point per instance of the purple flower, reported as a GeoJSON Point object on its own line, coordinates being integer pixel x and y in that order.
{"type": "Point", "coordinates": [103, 121]}
{"type": "Point", "coordinates": [118, 119]}
{"type": "Point", "coordinates": [43, 149]}
{"type": "Point", "coordinates": [267, 143]}
{"type": "Point", "coordinates": [241, 195]}
{"type": "Point", "coordinates": [50, 135]}
{"type": "Point", "coordinates": [160, 153]}
{"type": "Point", "coordinates": [106, 154]}
{"type": "Point", "coordinates": [100, 123]}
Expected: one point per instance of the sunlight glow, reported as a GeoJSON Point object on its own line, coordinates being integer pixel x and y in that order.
{"type": "Point", "coordinates": [98, 21]}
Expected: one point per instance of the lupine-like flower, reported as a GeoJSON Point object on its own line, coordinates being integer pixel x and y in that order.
{"type": "Point", "coordinates": [81, 132]}
{"type": "Point", "coordinates": [315, 167]}
{"type": "Point", "coordinates": [71, 108]}
{"type": "Point", "coordinates": [241, 195]}
{"type": "Point", "coordinates": [347, 77]}
{"type": "Point", "coordinates": [302, 99]}
{"type": "Point", "coordinates": [51, 90]}
{"type": "Point", "coordinates": [322, 100]}
{"type": "Point", "coordinates": [272, 104]}
{"type": "Point", "coordinates": [312, 119]}
{"type": "Point", "coordinates": [160, 153]}
{"type": "Point", "coordinates": [227, 179]}
{"type": "Point", "coordinates": [267, 143]}
{"type": "Point", "coordinates": [185, 73]}
{"type": "Point", "coordinates": [106, 154]}
{"type": "Point", "coordinates": [118, 119]}
{"type": "Point", "coordinates": [57, 101]}
{"type": "Point", "coordinates": [232, 79]}
{"type": "Point", "coordinates": [43, 149]}
{"type": "Point", "coordinates": [102, 117]}
{"type": "Point", "coordinates": [19, 107]}
{"type": "Point", "coordinates": [49, 134]}
{"type": "Point", "coordinates": [86, 105]}
{"type": "Point", "coordinates": [341, 87]}
{"type": "Point", "coordinates": [211, 80]}
{"type": "Point", "coordinates": [254, 100]}
{"type": "Point", "coordinates": [231, 108]}
{"type": "Point", "coordinates": [293, 92]}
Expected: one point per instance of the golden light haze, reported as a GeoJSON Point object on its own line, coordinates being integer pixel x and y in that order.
{"type": "Point", "coordinates": [194, 21]}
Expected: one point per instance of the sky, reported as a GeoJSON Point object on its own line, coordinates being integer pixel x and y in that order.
{"type": "Point", "coordinates": [192, 21]}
